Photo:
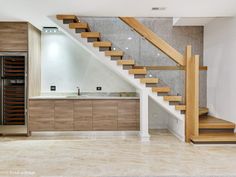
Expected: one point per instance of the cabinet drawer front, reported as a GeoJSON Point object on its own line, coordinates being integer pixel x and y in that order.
{"type": "Point", "coordinates": [41, 104]}
{"type": "Point", "coordinates": [106, 125]}
{"type": "Point", "coordinates": [83, 103]}
{"type": "Point", "coordinates": [42, 125]}
{"type": "Point", "coordinates": [105, 103]}
{"type": "Point", "coordinates": [84, 125]}
{"type": "Point", "coordinates": [39, 113]}
{"type": "Point", "coordinates": [64, 110]}
{"type": "Point", "coordinates": [104, 110]}
{"type": "Point", "coordinates": [104, 113]}
{"type": "Point", "coordinates": [127, 124]}
{"type": "Point", "coordinates": [83, 118]}
{"type": "Point", "coordinates": [83, 111]}
{"type": "Point", "coordinates": [104, 117]}
{"type": "Point", "coordinates": [127, 108]}
{"type": "Point", "coordinates": [41, 109]}
{"type": "Point", "coordinates": [127, 118]}
{"type": "Point", "coordinates": [64, 125]}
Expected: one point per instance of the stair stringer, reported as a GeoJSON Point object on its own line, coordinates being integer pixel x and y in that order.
{"type": "Point", "coordinates": [100, 56]}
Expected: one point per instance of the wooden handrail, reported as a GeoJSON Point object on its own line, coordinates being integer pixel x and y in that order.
{"type": "Point", "coordinates": [154, 39]}
{"type": "Point", "coordinates": [191, 94]}
{"type": "Point", "coordinates": [172, 68]}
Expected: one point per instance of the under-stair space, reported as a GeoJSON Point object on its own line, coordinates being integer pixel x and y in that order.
{"type": "Point", "coordinates": [141, 76]}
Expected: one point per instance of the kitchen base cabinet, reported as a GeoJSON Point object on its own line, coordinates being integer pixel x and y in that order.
{"type": "Point", "coordinates": [127, 115]}
{"type": "Point", "coordinates": [41, 115]}
{"type": "Point", "coordinates": [105, 115]}
{"type": "Point", "coordinates": [83, 115]}
{"type": "Point", "coordinates": [63, 115]}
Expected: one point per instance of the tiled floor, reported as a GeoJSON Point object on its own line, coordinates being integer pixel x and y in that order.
{"type": "Point", "coordinates": [112, 156]}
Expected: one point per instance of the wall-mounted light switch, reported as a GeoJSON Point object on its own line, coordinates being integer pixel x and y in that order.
{"type": "Point", "coordinates": [53, 88]}
{"type": "Point", "coordinates": [99, 88]}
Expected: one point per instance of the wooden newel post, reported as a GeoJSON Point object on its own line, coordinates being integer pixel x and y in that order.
{"type": "Point", "coordinates": [191, 94]}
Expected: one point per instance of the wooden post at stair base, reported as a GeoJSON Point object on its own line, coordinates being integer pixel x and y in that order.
{"type": "Point", "coordinates": [191, 94]}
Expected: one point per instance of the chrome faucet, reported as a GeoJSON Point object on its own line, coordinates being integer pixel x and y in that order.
{"type": "Point", "coordinates": [78, 91]}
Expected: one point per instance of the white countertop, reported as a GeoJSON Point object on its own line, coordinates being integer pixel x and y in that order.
{"type": "Point", "coordinates": [88, 96]}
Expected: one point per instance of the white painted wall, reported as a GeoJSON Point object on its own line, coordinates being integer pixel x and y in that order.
{"type": "Point", "coordinates": [220, 57]}
{"type": "Point", "coordinates": [67, 65]}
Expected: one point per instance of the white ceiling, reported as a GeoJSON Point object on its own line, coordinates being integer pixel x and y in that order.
{"type": "Point", "coordinates": [192, 21]}
{"type": "Point", "coordinates": [37, 11]}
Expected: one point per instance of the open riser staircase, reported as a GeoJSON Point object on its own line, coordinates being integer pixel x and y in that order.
{"type": "Point", "coordinates": [137, 75]}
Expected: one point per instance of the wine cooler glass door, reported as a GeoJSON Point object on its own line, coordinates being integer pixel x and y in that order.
{"type": "Point", "coordinates": [13, 94]}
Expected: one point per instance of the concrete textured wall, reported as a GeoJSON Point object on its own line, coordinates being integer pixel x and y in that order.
{"type": "Point", "coordinates": [144, 53]}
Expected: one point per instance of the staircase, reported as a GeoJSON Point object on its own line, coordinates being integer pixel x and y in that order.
{"type": "Point", "coordinates": [214, 130]}
{"type": "Point", "coordinates": [127, 68]}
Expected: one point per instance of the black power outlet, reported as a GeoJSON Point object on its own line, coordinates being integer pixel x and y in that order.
{"type": "Point", "coordinates": [99, 88]}
{"type": "Point", "coordinates": [53, 88]}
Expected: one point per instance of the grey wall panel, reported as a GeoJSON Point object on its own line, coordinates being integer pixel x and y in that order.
{"type": "Point", "coordinates": [144, 53]}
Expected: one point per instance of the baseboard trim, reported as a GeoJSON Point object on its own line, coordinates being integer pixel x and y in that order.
{"type": "Point", "coordinates": [85, 133]}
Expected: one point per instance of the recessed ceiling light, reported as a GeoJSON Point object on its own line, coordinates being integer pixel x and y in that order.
{"type": "Point", "coordinates": [159, 8]}
{"type": "Point", "coordinates": [114, 48]}
{"type": "Point", "coordinates": [127, 48]}
{"type": "Point", "coordinates": [129, 38]}
{"type": "Point", "coordinates": [50, 29]}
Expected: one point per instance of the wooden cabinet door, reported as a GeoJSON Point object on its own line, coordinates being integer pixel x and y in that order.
{"type": "Point", "coordinates": [13, 36]}
{"type": "Point", "coordinates": [41, 115]}
{"type": "Point", "coordinates": [63, 118]}
{"type": "Point", "coordinates": [138, 113]}
{"type": "Point", "coordinates": [127, 115]}
{"type": "Point", "coordinates": [105, 115]}
{"type": "Point", "coordinates": [83, 115]}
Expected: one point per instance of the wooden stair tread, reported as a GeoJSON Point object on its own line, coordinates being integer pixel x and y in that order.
{"type": "Point", "coordinates": [78, 25]}
{"type": "Point", "coordinates": [161, 89]}
{"type": "Point", "coordinates": [138, 71]}
{"type": "Point", "coordinates": [180, 107]}
{"type": "Point", "coordinates": [114, 53]}
{"type": "Point", "coordinates": [67, 17]}
{"type": "Point", "coordinates": [149, 80]}
{"type": "Point", "coordinates": [126, 62]}
{"type": "Point", "coordinates": [210, 122]}
{"type": "Point", "coordinates": [90, 35]}
{"type": "Point", "coordinates": [203, 110]}
{"type": "Point", "coordinates": [102, 44]}
{"type": "Point", "coordinates": [214, 138]}
{"type": "Point", "coordinates": [173, 98]}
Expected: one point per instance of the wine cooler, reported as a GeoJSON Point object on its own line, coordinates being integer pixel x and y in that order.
{"type": "Point", "coordinates": [13, 93]}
